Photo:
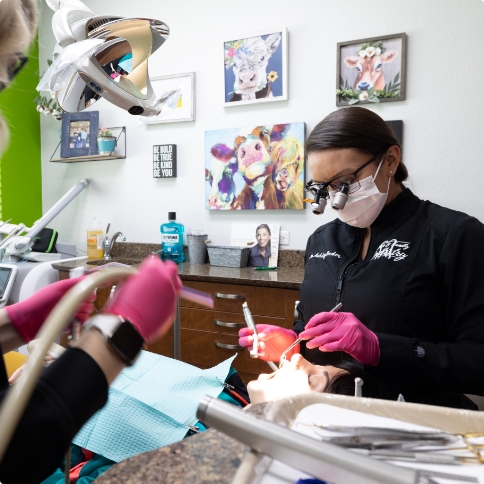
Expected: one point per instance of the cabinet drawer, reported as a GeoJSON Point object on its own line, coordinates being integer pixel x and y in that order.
{"type": "Point", "coordinates": [266, 301]}
{"type": "Point", "coordinates": [204, 348]}
{"type": "Point", "coordinates": [164, 346]}
{"type": "Point", "coordinates": [219, 322]}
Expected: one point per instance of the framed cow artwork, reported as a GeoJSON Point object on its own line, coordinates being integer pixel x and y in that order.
{"type": "Point", "coordinates": [255, 67]}
{"type": "Point", "coordinates": [255, 168]}
{"type": "Point", "coordinates": [371, 70]}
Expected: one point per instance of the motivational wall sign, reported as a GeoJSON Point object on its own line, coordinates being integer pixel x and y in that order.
{"type": "Point", "coordinates": [164, 161]}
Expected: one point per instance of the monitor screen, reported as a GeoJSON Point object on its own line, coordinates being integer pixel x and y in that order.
{"type": "Point", "coordinates": [5, 273]}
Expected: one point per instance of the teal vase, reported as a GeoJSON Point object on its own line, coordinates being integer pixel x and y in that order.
{"type": "Point", "coordinates": [106, 145]}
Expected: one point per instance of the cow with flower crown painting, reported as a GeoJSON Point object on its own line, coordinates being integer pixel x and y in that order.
{"type": "Point", "coordinates": [369, 66]}
{"type": "Point", "coordinates": [249, 59]}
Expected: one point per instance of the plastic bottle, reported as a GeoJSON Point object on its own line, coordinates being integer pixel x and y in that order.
{"type": "Point", "coordinates": [95, 240]}
{"type": "Point", "coordinates": [172, 240]}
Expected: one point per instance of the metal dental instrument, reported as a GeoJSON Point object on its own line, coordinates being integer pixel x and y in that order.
{"type": "Point", "coordinates": [283, 356]}
{"type": "Point", "coordinates": [399, 455]}
{"type": "Point", "coordinates": [250, 323]}
{"type": "Point", "coordinates": [385, 431]}
{"type": "Point", "coordinates": [358, 387]}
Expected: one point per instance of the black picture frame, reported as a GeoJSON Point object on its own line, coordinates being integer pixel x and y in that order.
{"type": "Point", "coordinates": [71, 147]}
{"type": "Point", "coordinates": [397, 127]}
{"type": "Point", "coordinates": [400, 81]}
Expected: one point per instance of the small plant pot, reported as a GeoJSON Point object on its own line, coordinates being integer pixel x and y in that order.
{"type": "Point", "coordinates": [106, 145]}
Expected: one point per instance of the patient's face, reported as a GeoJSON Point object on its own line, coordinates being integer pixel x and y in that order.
{"type": "Point", "coordinates": [295, 377]}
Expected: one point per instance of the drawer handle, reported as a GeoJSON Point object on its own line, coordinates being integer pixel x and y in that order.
{"type": "Point", "coordinates": [229, 325]}
{"type": "Point", "coordinates": [228, 347]}
{"type": "Point", "coordinates": [221, 295]}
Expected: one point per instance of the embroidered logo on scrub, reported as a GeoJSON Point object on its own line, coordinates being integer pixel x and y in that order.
{"type": "Point", "coordinates": [392, 249]}
{"type": "Point", "coordinates": [323, 255]}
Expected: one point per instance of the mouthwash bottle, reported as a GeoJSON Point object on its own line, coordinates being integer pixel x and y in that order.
{"type": "Point", "coordinates": [172, 240]}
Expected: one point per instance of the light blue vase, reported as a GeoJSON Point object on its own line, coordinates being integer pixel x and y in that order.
{"type": "Point", "coordinates": [106, 145]}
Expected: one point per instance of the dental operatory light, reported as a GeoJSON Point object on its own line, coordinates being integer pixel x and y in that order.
{"type": "Point", "coordinates": [104, 56]}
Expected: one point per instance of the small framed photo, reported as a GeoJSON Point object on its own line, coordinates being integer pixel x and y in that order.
{"type": "Point", "coordinates": [371, 70]}
{"type": "Point", "coordinates": [255, 67]}
{"type": "Point", "coordinates": [263, 239]}
{"type": "Point", "coordinates": [185, 109]}
{"type": "Point", "coordinates": [79, 134]}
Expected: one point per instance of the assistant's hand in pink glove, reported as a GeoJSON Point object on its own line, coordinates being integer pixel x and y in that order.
{"type": "Point", "coordinates": [28, 316]}
{"type": "Point", "coordinates": [342, 332]}
{"type": "Point", "coordinates": [148, 299]}
{"type": "Point", "coordinates": [273, 341]}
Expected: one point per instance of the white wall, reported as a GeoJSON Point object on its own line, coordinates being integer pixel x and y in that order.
{"type": "Point", "coordinates": [443, 115]}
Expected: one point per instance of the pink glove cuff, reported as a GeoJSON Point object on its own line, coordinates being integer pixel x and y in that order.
{"type": "Point", "coordinates": [24, 330]}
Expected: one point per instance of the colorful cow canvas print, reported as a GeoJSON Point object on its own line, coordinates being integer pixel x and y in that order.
{"type": "Point", "coordinates": [255, 168]}
{"type": "Point", "coordinates": [371, 70]}
{"type": "Point", "coordinates": [255, 68]}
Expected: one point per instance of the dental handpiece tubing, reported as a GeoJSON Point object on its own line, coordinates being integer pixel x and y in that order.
{"type": "Point", "coordinates": [319, 459]}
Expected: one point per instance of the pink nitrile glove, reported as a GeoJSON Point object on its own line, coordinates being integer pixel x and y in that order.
{"type": "Point", "coordinates": [29, 315]}
{"type": "Point", "coordinates": [342, 332]}
{"type": "Point", "coordinates": [148, 298]}
{"type": "Point", "coordinates": [273, 341]}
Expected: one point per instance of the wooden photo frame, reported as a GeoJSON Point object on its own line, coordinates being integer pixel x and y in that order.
{"type": "Point", "coordinates": [79, 134]}
{"type": "Point", "coordinates": [371, 70]}
{"type": "Point", "coordinates": [255, 67]}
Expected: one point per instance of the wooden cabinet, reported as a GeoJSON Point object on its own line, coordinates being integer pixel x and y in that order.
{"type": "Point", "coordinates": [210, 336]}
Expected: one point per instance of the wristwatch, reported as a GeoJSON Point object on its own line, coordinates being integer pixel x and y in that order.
{"type": "Point", "coordinates": [120, 335]}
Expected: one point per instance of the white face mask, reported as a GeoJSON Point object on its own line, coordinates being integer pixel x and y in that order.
{"type": "Point", "coordinates": [364, 205]}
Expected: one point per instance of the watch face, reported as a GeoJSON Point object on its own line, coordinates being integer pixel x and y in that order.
{"type": "Point", "coordinates": [127, 342]}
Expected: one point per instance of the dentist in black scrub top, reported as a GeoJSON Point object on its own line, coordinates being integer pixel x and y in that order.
{"type": "Point", "coordinates": [409, 273]}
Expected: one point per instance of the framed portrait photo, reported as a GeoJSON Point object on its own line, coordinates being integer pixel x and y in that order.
{"type": "Point", "coordinates": [185, 108]}
{"type": "Point", "coordinates": [79, 134]}
{"type": "Point", "coordinates": [371, 70]}
{"type": "Point", "coordinates": [255, 67]}
{"type": "Point", "coordinates": [264, 238]}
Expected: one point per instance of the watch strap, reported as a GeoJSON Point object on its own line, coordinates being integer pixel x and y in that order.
{"type": "Point", "coordinates": [126, 346]}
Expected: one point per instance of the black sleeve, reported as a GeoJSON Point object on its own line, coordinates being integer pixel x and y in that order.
{"type": "Point", "coordinates": [454, 365]}
{"type": "Point", "coordinates": [299, 324]}
{"type": "Point", "coordinates": [69, 392]}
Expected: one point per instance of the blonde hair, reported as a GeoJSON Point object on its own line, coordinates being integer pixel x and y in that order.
{"type": "Point", "coordinates": [18, 22]}
{"type": "Point", "coordinates": [289, 154]}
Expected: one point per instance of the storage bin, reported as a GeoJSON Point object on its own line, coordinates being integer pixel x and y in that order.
{"type": "Point", "coordinates": [228, 256]}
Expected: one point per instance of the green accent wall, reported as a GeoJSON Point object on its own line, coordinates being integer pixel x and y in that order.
{"type": "Point", "coordinates": [20, 164]}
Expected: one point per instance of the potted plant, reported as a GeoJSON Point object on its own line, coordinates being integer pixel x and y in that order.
{"type": "Point", "coordinates": [106, 142]}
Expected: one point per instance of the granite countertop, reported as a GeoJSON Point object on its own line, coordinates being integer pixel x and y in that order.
{"type": "Point", "coordinates": [288, 276]}
{"type": "Point", "coordinates": [210, 457]}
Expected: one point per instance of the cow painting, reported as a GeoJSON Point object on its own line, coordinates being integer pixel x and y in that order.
{"type": "Point", "coordinates": [249, 60]}
{"type": "Point", "coordinates": [369, 68]}
{"type": "Point", "coordinates": [240, 168]}
{"type": "Point", "coordinates": [220, 176]}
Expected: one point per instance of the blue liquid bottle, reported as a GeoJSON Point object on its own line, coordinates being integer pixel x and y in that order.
{"type": "Point", "coordinates": [172, 240]}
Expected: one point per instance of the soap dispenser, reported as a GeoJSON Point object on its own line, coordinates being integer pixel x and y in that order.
{"type": "Point", "coordinates": [95, 240]}
{"type": "Point", "coordinates": [172, 240]}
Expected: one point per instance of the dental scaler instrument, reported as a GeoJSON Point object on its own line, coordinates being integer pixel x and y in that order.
{"type": "Point", "coordinates": [250, 323]}
{"type": "Point", "coordinates": [283, 356]}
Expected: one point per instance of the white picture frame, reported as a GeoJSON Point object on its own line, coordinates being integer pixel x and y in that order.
{"type": "Point", "coordinates": [278, 57]}
{"type": "Point", "coordinates": [186, 112]}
